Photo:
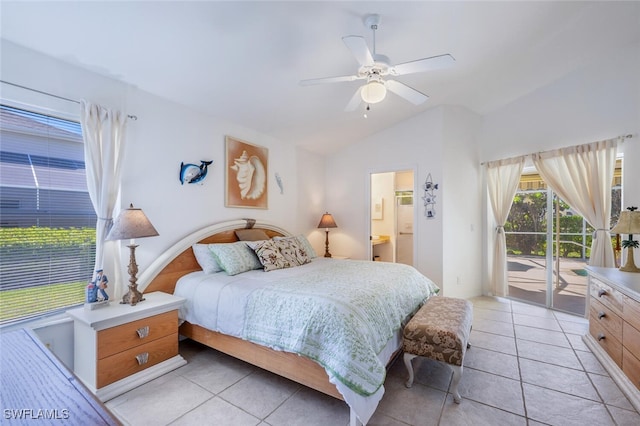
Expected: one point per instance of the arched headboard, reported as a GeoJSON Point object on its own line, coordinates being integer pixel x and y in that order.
{"type": "Point", "coordinates": [179, 260]}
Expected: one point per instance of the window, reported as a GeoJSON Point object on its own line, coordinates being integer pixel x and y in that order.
{"type": "Point", "coordinates": [47, 221]}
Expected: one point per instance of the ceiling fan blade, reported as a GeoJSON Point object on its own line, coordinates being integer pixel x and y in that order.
{"type": "Point", "coordinates": [406, 92]}
{"type": "Point", "coordinates": [354, 102]}
{"type": "Point", "coordinates": [421, 65]}
{"type": "Point", "coordinates": [313, 81]}
{"type": "Point", "coordinates": [358, 46]}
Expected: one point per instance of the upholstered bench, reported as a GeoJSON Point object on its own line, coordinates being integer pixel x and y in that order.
{"type": "Point", "coordinates": [439, 331]}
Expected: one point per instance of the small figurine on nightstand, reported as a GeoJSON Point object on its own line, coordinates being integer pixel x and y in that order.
{"type": "Point", "coordinates": [95, 286]}
{"type": "Point", "coordinates": [101, 283]}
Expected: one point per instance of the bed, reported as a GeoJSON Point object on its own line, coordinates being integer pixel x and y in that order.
{"type": "Point", "coordinates": [178, 272]}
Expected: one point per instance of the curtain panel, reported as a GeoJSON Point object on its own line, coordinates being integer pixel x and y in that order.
{"type": "Point", "coordinates": [582, 176]}
{"type": "Point", "coordinates": [502, 182]}
{"type": "Point", "coordinates": [103, 132]}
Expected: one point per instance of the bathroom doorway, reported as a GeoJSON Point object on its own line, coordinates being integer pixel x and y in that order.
{"type": "Point", "coordinates": [392, 217]}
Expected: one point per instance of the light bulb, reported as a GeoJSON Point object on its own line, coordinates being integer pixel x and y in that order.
{"type": "Point", "coordinates": [373, 92]}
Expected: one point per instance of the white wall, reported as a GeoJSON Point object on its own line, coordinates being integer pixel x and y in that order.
{"type": "Point", "coordinates": [461, 196]}
{"type": "Point", "coordinates": [440, 141]}
{"type": "Point", "coordinates": [414, 144]}
{"type": "Point", "coordinates": [310, 179]}
{"type": "Point", "coordinates": [599, 101]}
{"type": "Point", "coordinates": [164, 135]}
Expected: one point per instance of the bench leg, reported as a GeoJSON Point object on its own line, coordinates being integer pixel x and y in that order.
{"type": "Point", "coordinates": [407, 363]}
{"type": "Point", "coordinates": [457, 375]}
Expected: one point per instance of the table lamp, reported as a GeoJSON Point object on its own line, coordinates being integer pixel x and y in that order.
{"type": "Point", "coordinates": [130, 224]}
{"type": "Point", "coordinates": [629, 223]}
{"type": "Point", "coordinates": [327, 222]}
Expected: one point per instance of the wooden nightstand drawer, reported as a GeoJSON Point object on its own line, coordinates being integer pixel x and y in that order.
{"type": "Point", "coordinates": [609, 343]}
{"type": "Point", "coordinates": [606, 317]}
{"type": "Point", "coordinates": [126, 336]}
{"type": "Point", "coordinates": [125, 363]}
{"type": "Point", "coordinates": [610, 297]}
{"type": "Point", "coordinates": [631, 367]}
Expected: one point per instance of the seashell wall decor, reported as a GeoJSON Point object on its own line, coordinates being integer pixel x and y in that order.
{"type": "Point", "coordinates": [246, 174]}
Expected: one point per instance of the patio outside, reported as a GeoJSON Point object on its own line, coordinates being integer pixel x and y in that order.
{"type": "Point", "coordinates": [528, 282]}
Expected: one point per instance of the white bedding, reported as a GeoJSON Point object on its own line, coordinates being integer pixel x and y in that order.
{"type": "Point", "coordinates": [218, 302]}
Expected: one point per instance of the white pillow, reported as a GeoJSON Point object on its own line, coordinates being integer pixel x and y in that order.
{"type": "Point", "coordinates": [205, 258]}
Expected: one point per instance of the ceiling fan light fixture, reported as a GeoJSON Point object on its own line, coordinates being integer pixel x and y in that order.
{"type": "Point", "coordinates": [373, 92]}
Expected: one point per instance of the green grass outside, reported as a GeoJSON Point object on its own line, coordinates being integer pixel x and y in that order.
{"type": "Point", "coordinates": [28, 302]}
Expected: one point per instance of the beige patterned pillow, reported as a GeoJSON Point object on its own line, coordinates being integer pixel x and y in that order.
{"type": "Point", "coordinates": [293, 251]}
{"type": "Point", "coordinates": [269, 255]}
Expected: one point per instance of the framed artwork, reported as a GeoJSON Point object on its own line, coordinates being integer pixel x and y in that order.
{"type": "Point", "coordinates": [377, 208]}
{"type": "Point", "coordinates": [246, 174]}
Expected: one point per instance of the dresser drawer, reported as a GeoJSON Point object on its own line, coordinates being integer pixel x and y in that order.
{"type": "Point", "coordinates": [609, 343]}
{"type": "Point", "coordinates": [631, 339]}
{"type": "Point", "coordinates": [124, 364]}
{"type": "Point", "coordinates": [608, 296]}
{"type": "Point", "coordinates": [632, 312]}
{"type": "Point", "coordinates": [126, 336]}
{"type": "Point", "coordinates": [631, 367]}
{"type": "Point", "coordinates": [606, 317]}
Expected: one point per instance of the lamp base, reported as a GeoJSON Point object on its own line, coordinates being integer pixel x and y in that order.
{"type": "Point", "coordinates": [326, 245]}
{"type": "Point", "coordinates": [132, 297]}
{"type": "Point", "coordinates": [630, 266]}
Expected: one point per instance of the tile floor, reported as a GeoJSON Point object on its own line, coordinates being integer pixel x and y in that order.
{"type": "Point", "coordinates": [527, 366]}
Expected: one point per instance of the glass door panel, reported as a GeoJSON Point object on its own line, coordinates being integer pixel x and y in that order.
{"type": "Point", "coordinates": [526, 235]}
{"type": "Point", "coordinates": [571, 249]}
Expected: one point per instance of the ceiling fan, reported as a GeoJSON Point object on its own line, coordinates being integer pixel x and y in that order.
{"type": "Point", "coordinates": [374, 68]}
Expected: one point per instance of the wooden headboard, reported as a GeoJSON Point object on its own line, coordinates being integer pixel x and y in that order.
{"type": "Point", "coordinates": [179, 259]}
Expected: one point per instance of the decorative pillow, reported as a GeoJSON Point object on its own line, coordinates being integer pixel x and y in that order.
{"type": "Point", "coordinates": [303, 242]}
{"type": "Point", "coordinates": [251, 234]}
{"type": "Point", "coordinates": [292, 251]}
{"type": "Point", "coordinates": [235, 258]}
{"type": "Point", "coordinates": [205, 258]}
{"type": "Point", "coordinates": [270, 256]}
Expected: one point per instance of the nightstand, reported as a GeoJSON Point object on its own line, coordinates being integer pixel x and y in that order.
{"type": "Point", "coordinates": [120, 347]}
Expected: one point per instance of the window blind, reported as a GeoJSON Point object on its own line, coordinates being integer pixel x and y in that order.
{"type": "Point", "coordinates": [47, 221]}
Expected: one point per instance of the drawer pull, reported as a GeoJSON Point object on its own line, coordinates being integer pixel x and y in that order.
{"type": "Point", "coordinates": [601, 336]}
{"type": "Point", "coordinates": [142, 358]}
{"type": "Point", "coordinates": [143, 331]}
{"type": "Point", "coordinates": [602, 292]}
{"type": "Point", "coordinates": [601, 315]}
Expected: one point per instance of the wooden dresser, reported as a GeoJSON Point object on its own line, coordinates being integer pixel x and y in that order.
{"type": "Point", "coordinates": [119, 347]}
{"type": "Point", "coordinates": [614, 326]}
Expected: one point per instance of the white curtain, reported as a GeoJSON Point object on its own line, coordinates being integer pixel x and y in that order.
{"type": "Point", "coordinates": [502, 182]}
{"type": "Point", "coordinates": [103, 132]}
{"type": "Point", "coordinates": [582, 176]}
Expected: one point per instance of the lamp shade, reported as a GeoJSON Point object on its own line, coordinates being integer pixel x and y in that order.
{"type": "Point", "coordinates": [327, 221]}
{"type": "Point", "coordinates": [131, 223]}
{"type": "Point", "coordinates": [373, 92]}
{"type": "Point", "coordinates": [629, 223]}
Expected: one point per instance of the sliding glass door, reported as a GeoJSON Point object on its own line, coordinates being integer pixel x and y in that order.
{"type": "Point", "coordinates": [547, 251]}
{"type": "Point", "coordinates": [548, 246]}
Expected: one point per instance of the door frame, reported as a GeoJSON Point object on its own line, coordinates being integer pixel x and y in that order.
{"type": "Point", "coordinates": [393, 169]}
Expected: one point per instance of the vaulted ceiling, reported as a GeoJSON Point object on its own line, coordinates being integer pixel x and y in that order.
{"type": "Point", "coordinates": [242, 61]}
